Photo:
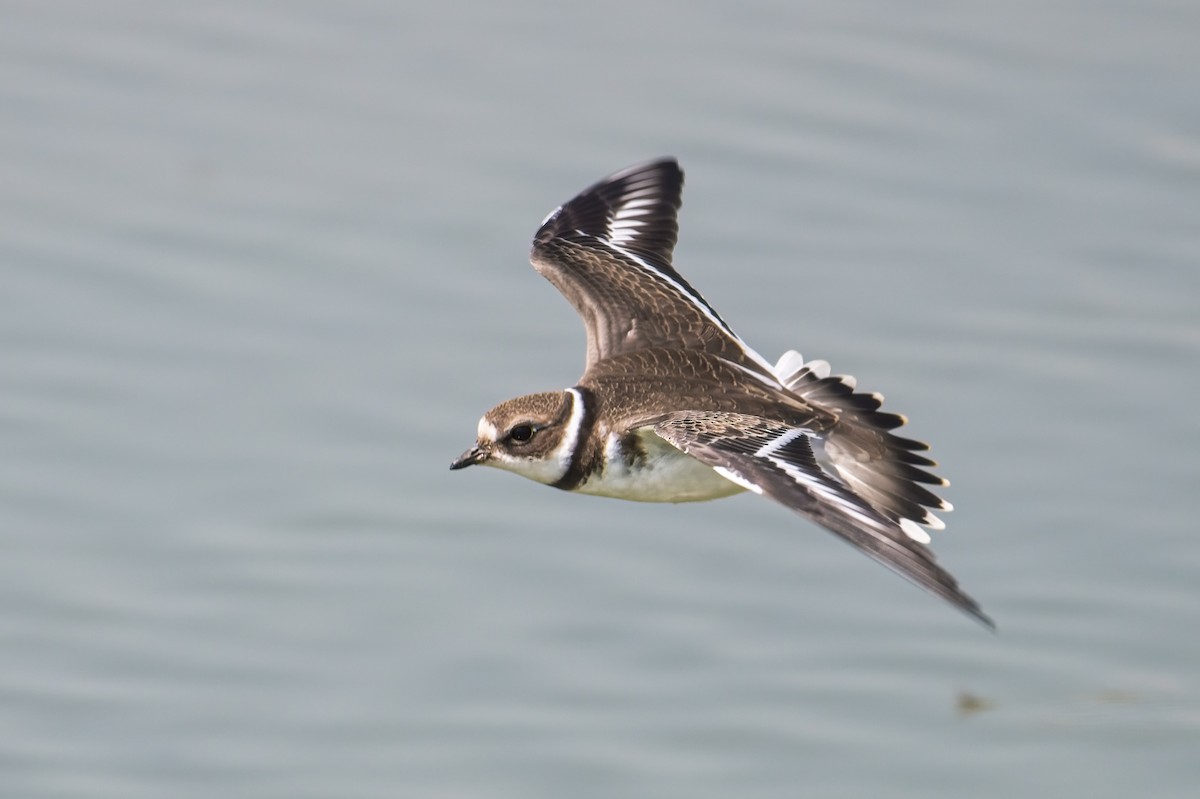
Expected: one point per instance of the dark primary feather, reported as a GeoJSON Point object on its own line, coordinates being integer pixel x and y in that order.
{"type": "Point", "coordinates": [608, 251]}
{"type": "Point", "coordinates": [650, 229]}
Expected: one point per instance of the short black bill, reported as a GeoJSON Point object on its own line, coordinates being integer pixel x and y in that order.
{"type": "Point", "coordinates": [469, 458]}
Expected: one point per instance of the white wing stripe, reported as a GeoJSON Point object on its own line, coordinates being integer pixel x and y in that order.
{"type": "Point", "coordinates": [815, 484]}
{"type": "Point", "coordinates": [699, 304]}
{"type": "Point", "coordinates": [734, 477]}
{"type": "Point", "coordinates": [810, 480]}
{"type": "Point", "coordinates": [782, 441]}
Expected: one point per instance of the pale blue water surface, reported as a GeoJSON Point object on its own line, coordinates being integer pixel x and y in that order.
{"type": "Point", "coordinates": [263, 265]}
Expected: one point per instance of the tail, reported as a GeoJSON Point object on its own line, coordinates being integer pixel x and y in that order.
{"type": "Point", "coordinates": [882, 468]}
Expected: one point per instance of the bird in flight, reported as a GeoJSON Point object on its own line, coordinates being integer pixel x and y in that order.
{"type": "Point", "coordinates": [674, 407]}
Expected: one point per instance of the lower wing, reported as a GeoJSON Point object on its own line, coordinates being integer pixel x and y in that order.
{"type": "Point", "coordinates": [777, 460]}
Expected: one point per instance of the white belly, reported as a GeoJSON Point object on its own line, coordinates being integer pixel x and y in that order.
{"type": "Point", "coordinates": [665, 474]}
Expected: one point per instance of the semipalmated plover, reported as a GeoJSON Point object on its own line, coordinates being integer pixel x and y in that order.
{"type": "Point", "coordinates": [674, 407]}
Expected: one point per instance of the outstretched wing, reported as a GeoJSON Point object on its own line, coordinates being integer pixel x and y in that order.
{"type": "Point", "coordinates": [778, 461]}
{"type": "Point", "coordinates": [608, 251]}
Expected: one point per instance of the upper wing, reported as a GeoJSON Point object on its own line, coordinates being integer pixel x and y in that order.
{"type": "Point", "coordinates": [608, 251]}
{"type": "Point", "coordinates": [777, 460]}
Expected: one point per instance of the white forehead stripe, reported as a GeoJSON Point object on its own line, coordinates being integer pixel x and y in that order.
{"type": "Point", "coordinates": [486, 431]}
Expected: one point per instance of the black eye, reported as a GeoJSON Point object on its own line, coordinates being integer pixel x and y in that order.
{"type": "Point", "coordinates": [521, 433]}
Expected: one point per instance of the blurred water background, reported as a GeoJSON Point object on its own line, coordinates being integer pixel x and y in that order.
{"type": "Point", "coordinates": [263, 265]}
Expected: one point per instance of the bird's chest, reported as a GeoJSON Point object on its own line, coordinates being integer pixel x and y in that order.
{"type": "Point", "coordinates": [644, 468]}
